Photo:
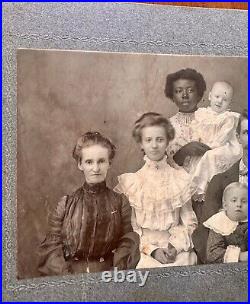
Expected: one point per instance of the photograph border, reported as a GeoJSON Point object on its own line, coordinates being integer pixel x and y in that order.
{"type": "Point", "coordinates": [116, 27]}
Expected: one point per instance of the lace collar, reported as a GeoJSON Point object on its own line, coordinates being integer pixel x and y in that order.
{"type": "Point", "coordinates": [221, 224]}
{"type": "Point", "coordinates": [95, 188]}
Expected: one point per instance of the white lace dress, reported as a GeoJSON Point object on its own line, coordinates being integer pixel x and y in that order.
{"type": "Point", "coordinates": [183, 133]}
{"type": "Point", "coordinates": [162, 212]}
{"type": "Point", "coordinates": [218, 131]}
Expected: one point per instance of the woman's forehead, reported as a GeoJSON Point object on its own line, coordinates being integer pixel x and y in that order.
{"type": "Point", "coordinates": [182, 82]}
{"type": "Point", "coordinates": [156, 130]}
{"type": "Point", "coordinates": [94, 150]}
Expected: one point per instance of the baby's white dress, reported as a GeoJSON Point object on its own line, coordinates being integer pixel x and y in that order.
{"type": "Point", "coordinates": [218, 131]}
{"type": "Point", "coordinates": [161, 210]}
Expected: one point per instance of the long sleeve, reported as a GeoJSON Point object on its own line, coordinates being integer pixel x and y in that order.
{"type": "Point", "coordinates": [216, 247]}
{"type": "Point", "coordinates": [51, 255]}
{"type": "Point", "coordinates": [181, 235]}
{"type": "Point", "coordinates": [127, 254]}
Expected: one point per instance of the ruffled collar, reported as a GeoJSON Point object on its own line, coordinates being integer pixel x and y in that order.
{"type": "Point", "coordinates": [212, 112]}
{"type": "Point", "coordinates": [158, 165]}
{"type": "Point", "coordinates": [95, 188]}
{"type": "Point", "coordinates": [221, 223]}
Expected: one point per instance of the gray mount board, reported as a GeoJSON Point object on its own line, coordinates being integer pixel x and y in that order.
{"type": "Point", "coordinates": [116, 27]}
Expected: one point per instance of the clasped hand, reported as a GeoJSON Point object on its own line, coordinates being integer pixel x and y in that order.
{"type": "Point", "coordinates": [165, 255]}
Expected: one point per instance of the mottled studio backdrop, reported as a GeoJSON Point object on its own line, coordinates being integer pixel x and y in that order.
{"type": "Point", "coordinates": [62, 94]}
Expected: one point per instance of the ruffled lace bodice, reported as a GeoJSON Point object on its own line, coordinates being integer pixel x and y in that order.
{"type": "Point", "coordinates": [156, 192]}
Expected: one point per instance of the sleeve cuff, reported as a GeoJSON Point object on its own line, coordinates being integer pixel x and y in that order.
{"type": "Point", "coordinates": [180, 239]}
{"type": "Point", "coordinates": [232, 254]}
{"type": "Point", "coordinates": [149, 248]}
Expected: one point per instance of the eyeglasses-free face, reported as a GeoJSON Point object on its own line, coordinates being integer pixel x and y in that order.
{"type": "Point", "coordinates": [185, 95]}
{"type": "Point", "coordinates": [94, 163]}
{"type": "Point", "coordinates": [154, 142]}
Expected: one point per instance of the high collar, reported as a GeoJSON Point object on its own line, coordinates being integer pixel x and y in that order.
{"type": "Point", "coordinates": [185, 118]}
{"type": "Point", "coordinates": [95, 188]}
{"type": "Point", "coordinates": [158, 165]}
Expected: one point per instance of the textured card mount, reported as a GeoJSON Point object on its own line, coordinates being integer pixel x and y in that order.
{"type": "Point", "coordinates": [113, 27]}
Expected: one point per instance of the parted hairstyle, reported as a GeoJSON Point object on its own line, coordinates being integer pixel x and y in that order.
{"type": "Point", "coordinates": [189, 74]}
{"type": "Point", "coordinates": [89, 139]}
{"type": "Point", "coordinates": [152, 119]}
{"type": "Point", "coordinates": [243, 115]}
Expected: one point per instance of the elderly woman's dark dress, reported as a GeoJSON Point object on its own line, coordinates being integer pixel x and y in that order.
{"type": "Point", "coordinates": [90, 231]}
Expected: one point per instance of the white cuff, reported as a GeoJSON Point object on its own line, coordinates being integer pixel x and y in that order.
{"type": "Point", "coordinates": [180, 239]}
{"type": "Point", "coordinates": [149, 248]}
{"type": "Point", "coordinates": [232, 254]}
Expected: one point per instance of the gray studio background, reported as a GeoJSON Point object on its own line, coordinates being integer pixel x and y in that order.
{"type": "Point", "coordinates": [62, 94]}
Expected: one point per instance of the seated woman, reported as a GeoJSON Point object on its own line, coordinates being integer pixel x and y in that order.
{"type": "Point", "coordinates": [90, 230]}
{"type": "Point", "coordinates": [161, 199]}
{"type": "Point", "coordinates": [186, 88]}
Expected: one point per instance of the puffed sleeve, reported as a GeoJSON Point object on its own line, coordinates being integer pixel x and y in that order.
{"type": "Point", "coordinates": [51, 257]}
{"type": "Point", "coordinates": [127, 254]}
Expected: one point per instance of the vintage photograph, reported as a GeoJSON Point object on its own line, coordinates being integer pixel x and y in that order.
{"type": "Point", "coordinates": [130, 161]}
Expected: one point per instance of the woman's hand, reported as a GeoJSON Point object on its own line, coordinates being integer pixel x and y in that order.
{"type": "Point", "coordinates": [195, 148]}
{"type": "Point", "coordinates": [243, 256]}
{"type": "Point", "coordinates": [172, 253]}
{"type": "Point", "coordinates": [165, 255]}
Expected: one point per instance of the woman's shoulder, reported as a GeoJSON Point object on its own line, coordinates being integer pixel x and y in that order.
{"type": "Point", "coordinates": [127, 180]}
{"type": "Point", "coordinates": [118, 198]}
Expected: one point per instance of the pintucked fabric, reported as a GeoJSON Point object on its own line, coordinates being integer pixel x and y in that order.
{"type": "Point", "coordinates": [91, 225]}
{"type": "Point", "coordinates": [183, 133]}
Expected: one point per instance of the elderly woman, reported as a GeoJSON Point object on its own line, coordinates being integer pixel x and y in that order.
{"type": "Point", "coordinates": [90, 230]}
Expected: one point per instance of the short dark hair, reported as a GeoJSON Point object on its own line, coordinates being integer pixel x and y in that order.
{"type": "Point", "coordinates": [90, 139]}
{"type": "Point", "coordinates": [152, 119]}
{"type": "Point", "coordinates": [189, 74]}
{"type": "Point", "coordinates": [243, 115]}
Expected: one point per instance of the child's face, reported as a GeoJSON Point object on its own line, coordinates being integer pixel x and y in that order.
{"type": "Point", "coordinates": [95, 163]}
{"type": "Point", "coordinates": [220, 97]}
{"type": "Point", "coordinates": [235, 204]}
{"type": "Point", "coordinates": [185, 95]}
{"type": "Point", "coordinates": [154, 142]}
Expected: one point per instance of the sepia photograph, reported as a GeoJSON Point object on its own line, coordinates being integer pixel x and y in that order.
{"type": "Point", "coordinates": [129, 161]}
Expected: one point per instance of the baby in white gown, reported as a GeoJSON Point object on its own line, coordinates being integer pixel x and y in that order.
{"type": "Point", "coordinates": [214, 126]}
